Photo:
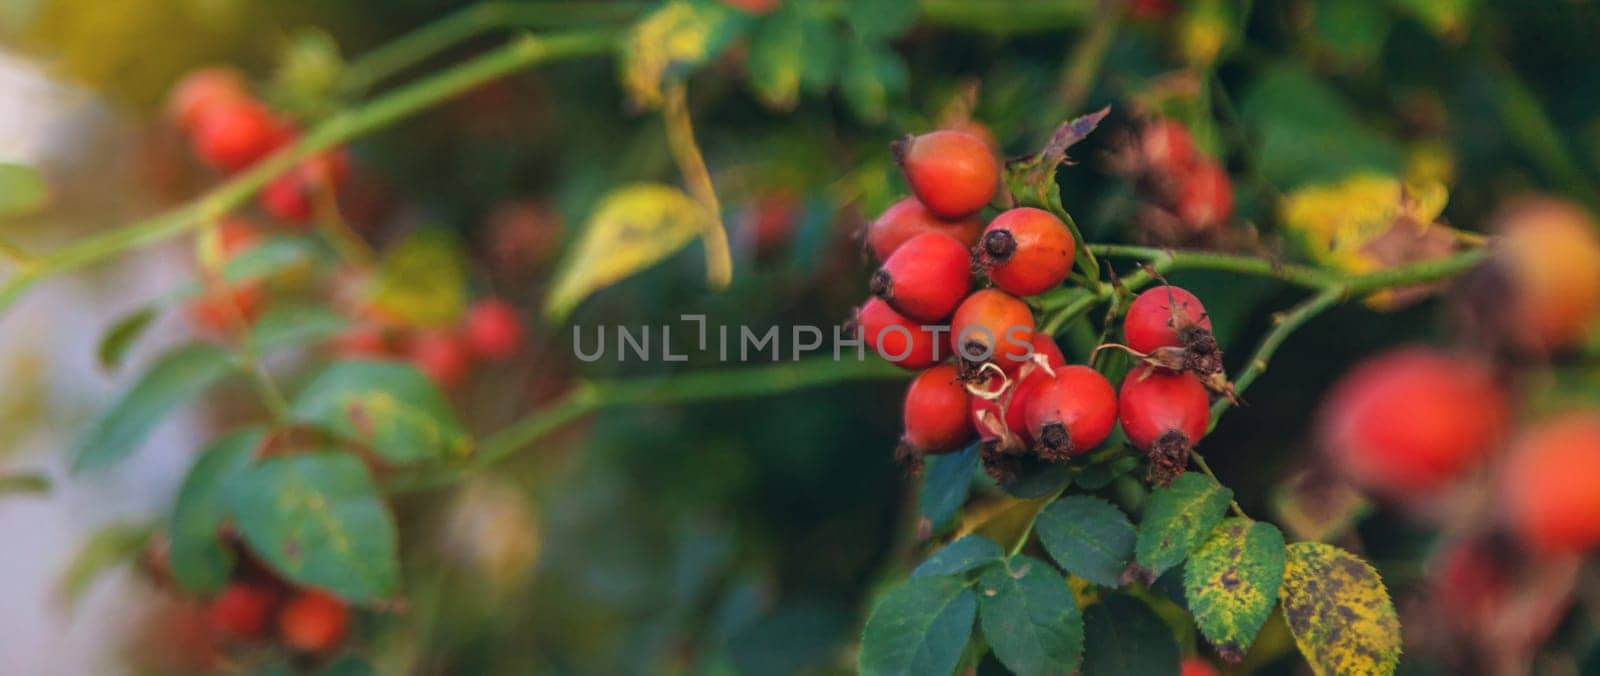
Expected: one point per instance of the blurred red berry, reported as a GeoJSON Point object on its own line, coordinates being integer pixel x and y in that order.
{"type": "Point", "coordinates": [202, 90]}
{"type": "Point", "coordinates": [494, 329]}
{"type": "Point", "coordinates": [242, 611]}
{"type": "Point", "coordinates": [441, 355]}
{"type": "Point", "coordinates": [1411, 420]}
{"type": "Point", "coordinates": [232, 135]}
{"type": "Point", "coordinates": [313, 621]}
{"type": "Point", "coordinates": [1549, 489]}
{"type": "Point", "coordinates": [1205, 197]}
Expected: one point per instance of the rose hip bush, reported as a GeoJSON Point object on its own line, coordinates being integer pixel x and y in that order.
{"type": "Point", "coordinates": [1151, 338]}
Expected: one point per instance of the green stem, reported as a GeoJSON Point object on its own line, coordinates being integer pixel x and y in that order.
{"type": "Point", "coordinates": [16, 254]}
{"type": "Point", "coordinates": [379, 113]}
{"type": "Point", "coordinates": [1083, 64]}
{"type": "Point", "coordinates": [681, 388]}
{"type": "Point", "coordinates": [1286, 324]}
{"type": "Point", "coordinates": [430, 40]}
{"type": "Point", "coordinates": [1300, 275]}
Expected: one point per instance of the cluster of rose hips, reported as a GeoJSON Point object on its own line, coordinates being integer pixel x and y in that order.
{"type": "Point", "coordinates": [1004, 382]}
{"type": "Point", "coordinates": [230, 129]}
{"type": "Point", "coordinates": [490, 331]}
{"type": "Point", "coordinates": [1188, 197]}
{"type": "Point", "coordinates": [1416, 421]}
{"type": "Point", "coordinates": [256, 605]}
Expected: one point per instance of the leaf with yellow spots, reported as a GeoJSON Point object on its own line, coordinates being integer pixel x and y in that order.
{"type": "Point", "coordinates": [671, 41]}
{"type": "Point", "coordinates": [316, 519]}
{"type": "Point", "coordinates": [1177, 520]}
{"type": "Point", "coordinates": [391, 407]}
{"type": "Point", "coordinates": [1370, 222]}
{"type": "Point", "coordinates": [634, 227]}
{"type": "Point", "coordinates": [1339, 611]}
{"type": "Point", "coordinates": [1231, 583]}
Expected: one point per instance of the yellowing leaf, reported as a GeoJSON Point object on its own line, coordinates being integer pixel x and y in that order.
{"type": "Point", "coordinates": [634, 227]}
{"type": "Point", "coordinates": [1339, 611]}
{"type": "Point", "coordinates": [1231, 583]}
{"type": "Point", "coordinates": [1369, 222]}
{"type": "Point", "coordinates": [671, 40]}
{"type": "Point", "coordinates": [422, 280]}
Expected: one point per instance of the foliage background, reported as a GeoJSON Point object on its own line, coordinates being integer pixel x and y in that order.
{"type": "Point", "coordinates": [750, 535]}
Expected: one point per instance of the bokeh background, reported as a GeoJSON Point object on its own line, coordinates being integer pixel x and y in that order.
{"type": "Point", "coordinates": [740, 536]}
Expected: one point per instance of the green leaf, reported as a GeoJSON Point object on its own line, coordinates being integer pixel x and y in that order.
{"type": "Point", "coordinates": [1309, 133]}
{"type": "Point", "coordinates": [967, 553]}
{"type": "Point", "coordinates": [635, 226]}
{"type": "Point", "coordinates": [1089, 537]}
{"type": "Point", "coordinates": [873, 75]}
{"type": "Point", "coordinates": [1126, 638]}
{"type": "Point", "coordinates": [1352, 30]}
{"type": "Point", "coordinates": [121, 336]}
{"type": "Point", "coordinates": [918, 628]}
{"type": "Point", "coordinates": [389, 406]}
{"type": "Point", "coordinates": [25, 483]}
{"type": "Point", "coordinates": [21, 190]}
{"type": "Point", "coordinates": [199, 560]}
{"type": "Point", "coordinates": [269, 257]}
{"type": "Point", "coordinates": [1231, 583]}
{"type": "Point", "coordinates": [1096, 477]}
{"type": "Point", "coordinates": [1030, 617]}
{"type": "Point", "coordinates": [774, 63]}
{"type": "Point", "coordinates": [106, 548]}
{"type": "Point", "coordinates": [1177, 519]}
{"type": "Point", "coordinates": [293, 324]}
{"type": "Point", "coordinates": [946, 481]}
{"type": "Point", "coordinates": [317, 519]}
{"type": "Point", "coordinates": [1339, 611]}
{"type": "Point", "coordinates": [671, 42]}
{"type": "Point", "coordinates": [881, 19]}
{"type": "Point", "coordinates": [819, 50]}
{"type": "Point", "coordinates": [176, 378]}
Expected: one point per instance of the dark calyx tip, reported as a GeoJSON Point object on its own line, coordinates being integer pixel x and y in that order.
{"type": "Point", "coordinates": [998, 245]}
{"type": "Point", "coordinates": [1055, 445]}
{"type": "Point", "coordinates": [1169, 458]}
{"type": "Point", "coordinates": [908, 457]}
{"type": "Point", "coordinates": [882, 284]}
{"type": "Point", "coordinates": [900, 147]}
{"type": "Point", "coordinates": [1201, 354]}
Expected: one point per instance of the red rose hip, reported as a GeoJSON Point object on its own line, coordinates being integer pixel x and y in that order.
{"type": "Point", "coordinates": [992, 326]}
{"type": "Point", "coordinates": [925, 278]}
{"type": "Point", "coordinates": [952, 172]}
{"type": "Point", "coordinates": [935, 412]}
{"type": "Point", "coordinates": [1026, 251]}
{"type": "Point", "coordinates": [1152, 323]}
{"type": "Point", "coordinates": [1164, 413]}
{"type": "Point", "coordinates": [996, 419]}
{"type": "Point", "coordinates": [896, 337]}
{"type": "Point", "coordinates": [1071, 413]}
{"type": "Point", "coordinates": [908, 218]}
